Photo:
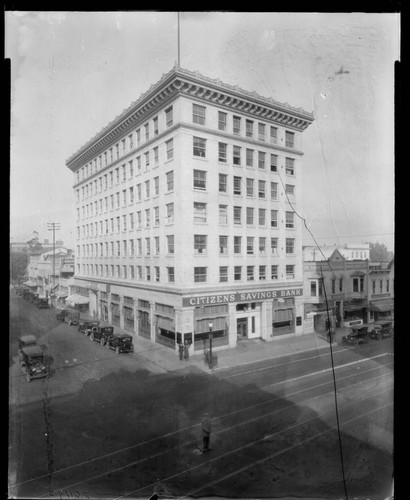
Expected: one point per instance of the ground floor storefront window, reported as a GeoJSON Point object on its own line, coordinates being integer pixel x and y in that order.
{"type": "Point", "coordinates": [144, 327]}
{"type": "Point", "coordinates": [283, 317]}
{"type": "Point", "coordinates": [165, 331]}
{"type": "Point", "coordinates": [116, 316]}
{"type": "Point", "coordinates": [217, 315]}
{"type": "Point", "coordinates": [128, 318]}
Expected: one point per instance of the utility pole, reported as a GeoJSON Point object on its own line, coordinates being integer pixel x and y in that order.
{"type": "Point", "coordinates": [54, 226]}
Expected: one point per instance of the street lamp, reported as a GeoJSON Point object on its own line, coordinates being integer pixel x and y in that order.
{"type": "Point", "coordinates": [210, 325]}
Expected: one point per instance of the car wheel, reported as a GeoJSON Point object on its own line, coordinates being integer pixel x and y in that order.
{"type": "Point", "coordinates": [92, 336]}
{"type": "Point", "coordinates": [117, 350]}
{"type": "Point", "coordinates": [102, 342]}
{"type": "Point", "coordinates": [28, 378]}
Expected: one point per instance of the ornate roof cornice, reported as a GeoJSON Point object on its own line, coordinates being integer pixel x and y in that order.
{"type": "Point", "coordinates": [181, 81]}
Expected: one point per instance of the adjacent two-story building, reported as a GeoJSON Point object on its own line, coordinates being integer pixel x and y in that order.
{"type": "Point", "coordinates": [185, 215]}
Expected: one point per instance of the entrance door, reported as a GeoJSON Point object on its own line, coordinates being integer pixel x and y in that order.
{"type": "Point", "coordinates": [242, 328]}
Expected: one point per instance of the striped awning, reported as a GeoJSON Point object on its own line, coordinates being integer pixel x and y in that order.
{"type": "Point", "coordinates": [382, 305]}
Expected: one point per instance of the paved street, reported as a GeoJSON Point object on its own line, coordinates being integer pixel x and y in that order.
{"type": "Point", "coordinates": [104, 425]}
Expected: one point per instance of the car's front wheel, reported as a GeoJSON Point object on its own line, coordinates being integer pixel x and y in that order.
{"type": "Point", "coordinates": [102, 342]}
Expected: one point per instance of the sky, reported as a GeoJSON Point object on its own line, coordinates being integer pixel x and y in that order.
{"type": "Point", "coordinates": [73, 72]}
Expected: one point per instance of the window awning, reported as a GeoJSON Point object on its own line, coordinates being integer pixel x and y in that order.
{"type": "Point", "coordinates": [383, 305]}
{"type": "Point", "coordinates": [60, 293]}
{"type": "Point", "coordinates": [51, 286]}
{"type": "Point", "coordinates": [77, 299]}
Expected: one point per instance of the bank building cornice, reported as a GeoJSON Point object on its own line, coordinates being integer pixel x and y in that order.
{"type": "Point", "coordinates": [179, 81]}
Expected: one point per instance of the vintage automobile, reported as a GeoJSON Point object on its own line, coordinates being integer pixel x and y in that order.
{"type": "Point", "coordinates": [42, 303]}
{"type": "Point", "coordinates": [85, 325]}
{"type": "Point", "coordinates": [25, 341]}
{"type": "Point", "coordinates": [382, 330]}
{"type": "Point", "coordinates": [32, 362]}
{"type": "Point", "coordinates": [101, 333]}
{"type": "Point", "coordinates": [358, 335]}
{"type": "Point", "coordinates": [72, 317]}
{"type": "Point", "coordinates": [120, 342]}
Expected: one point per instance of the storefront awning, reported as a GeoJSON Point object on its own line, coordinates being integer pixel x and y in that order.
{"type": "Point", "coordinates": [60, 293]}
{"type": "Point", "coordinates": [51, 286]}
{"type": "Point", "coordinates": [382, 305]}
{"type": "Point", "coordinates": [30, 283]}
{"type": "Point", "coordinates": [77, 299]}
{"type": "Point", "coordinates": [354, 307]}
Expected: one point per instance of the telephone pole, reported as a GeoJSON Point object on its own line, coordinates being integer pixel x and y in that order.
{"type": "Point", "coordinates": [54, 226]}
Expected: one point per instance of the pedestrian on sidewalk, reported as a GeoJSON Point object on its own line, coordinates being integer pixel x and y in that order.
{"type": "Point", "coordinates": [206, 433]}
{"type": "Point", "coordinates": [180, 350]}
{"type": "Point", "coordinates": [186, 350]}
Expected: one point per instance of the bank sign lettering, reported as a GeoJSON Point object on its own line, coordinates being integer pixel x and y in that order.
{"type": "Point", "coordinates": [224, 298]}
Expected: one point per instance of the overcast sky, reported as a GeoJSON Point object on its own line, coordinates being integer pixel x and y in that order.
{"type": "Point", "coordinates": [73, 72]}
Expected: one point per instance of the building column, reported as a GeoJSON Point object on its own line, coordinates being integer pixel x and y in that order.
{"type": "Point", "coordinates": [135, 309]}
{"type": "Point", "coordinates": [109, 308]}
{"type": "Point", "coordinates": [266, 320]}
{"type": "Point", "coordinates": [122, 321]}
{"type": "Point", "coordinates": [152, 321]}
{"type": "Point", "coordinates": [232, 325]}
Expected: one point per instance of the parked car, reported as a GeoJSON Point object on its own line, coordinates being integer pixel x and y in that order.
{"type": "Point", "coordinates": [62, 313]}
{"type": "Point", "coordinates": [358, 335]}
{"type": "Point", "coordinates": [42, 303]}
{"type": "Point", "coordinates": [120, 342]}
{"type": "Point", "coordinates": [101, 333]}
{"type": "Point", "coordinates": [72, 317]}
{"type": "Point", "coordinates": [85, 325]}
{"type": "Point", "coordinates": [382, 329]}
{"type": "Point", "coordinates": [32, 362]}
{"type": "Point", "coordinates": [25, 341]}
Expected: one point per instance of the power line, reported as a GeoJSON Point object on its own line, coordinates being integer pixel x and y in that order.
{"type": "Point", "coordinates": [54, 226]}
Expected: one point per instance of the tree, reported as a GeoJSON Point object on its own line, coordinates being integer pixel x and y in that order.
{"type": "Point", "coordinates": [379, 252]}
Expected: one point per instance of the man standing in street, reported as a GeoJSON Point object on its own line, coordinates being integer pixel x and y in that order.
{"type": "Point", "coordinates": [206, 433]}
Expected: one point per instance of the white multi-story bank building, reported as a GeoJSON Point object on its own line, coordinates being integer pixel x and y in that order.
{"type": "Point", "coordinates": [184, 215]}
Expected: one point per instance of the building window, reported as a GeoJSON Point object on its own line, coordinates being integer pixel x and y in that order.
{"type": "Point", "coordinates": [274, 246]}
{"type": "Point", "coordinates": [223, 274]}
{"type": "Point", "coordinates": [199, 179]}
{"type": "Point", "coordinates": [222, 152]}
{"type": "Point", "coordinates": [273, 135]}
{"type": "Point", "coordinates": [198, 114]}
{"type": "Point", "coordinates": [147, 246]}
{"type": "Point", "coordinates": [169, 117]}
{"type": "Point", "coordinates": [147, 160]}
{"type": "Point", "coordinates": [146, 127]}
{"type": "Point", "coordinates": [147, 217]}
{"type": "Point", "coordinates": [157, 275]}
{"type": "Point", "coordinates": [290, 245]}
{"type": "Point", "coordinates": [289, 139]}
{"type": "Point", "coordinates": [236, 155]}
{"type": "Point", "coordinates": [290, 220]}
{"type": "Point", "coordinates": [223, 245]}
{"type": "Point", "coordinates": [341, 285]}
{"type": "Point", "coordinates": [200, 274]}
{"type": "Point", "coordinates": [237, 188]}
{"type": "Point", "coordinates": [139, 272]}
{"type": "Point", "coordinates": [236, 125]}
{"type": "Point", "coordinates": [170, 244]}
{"type": "Point", "coordinates": [333, 286]}
{"type": "Point", "coordinates": [156, 216]}
{"type": "Point", "coordinates": [262, 216]}
{"type": "Point", "coordinates": [274, 190]}
{"type": "Point", "coordinates": [388, 286]}
{"type": "Point", "coordinates": [249, 215]}
{"type": "Point", "coordinates": [237, 273]}
{"type": "Point", "coordinates": [222, 120]}
{"type": "Point", "coordinates": [169, 212]}
{"type": "Point", "coordinates": [261, 131]}
{"type": "Point", "coordinates": [290, 189]}
{"type": "Point", "coordinates": [249, 187]}
{"type": "Point", "coordinates": [290, 166]}
{"type": "Point", "coordinates": [273, 163]}
{"type": "Point", "coordinates": [261, 189]}
{"type": "Point", "coordinates": [374, 286]}
{"type": "Point", "coordinates": [237, 215]}
{"type": "Point", "coordinates": [380, 287]}
{"type": "Point", "coordinates": [156, 186]}
{"type": "Point", "coordinates": [274, 272]}
{"type": "Point", "coordinates": [147, 189]}
{"type": "Point", "coordinates": [200, 243]}
{"type": "Point", "coordinates": [249, 157]}
{"type": "Point", "coordinates": [139, 164]}
{"type": "Point", "coordinates": [169, 148]}
{"type": "Point", "coordinates": [262, 272]}
{"type": "Point", "coordinates": [223, 183]}
{"type": "Point", "coordinates": [274, 218]}
{"type": "Point", "coordinates": [148, 273]}
{"type": "Point", "coordinates": [290, 271]}
{"type": "Point", "coordinates": [249, 128]}
{"type": "Point", "coordinates": [199, 212]}
{"type": "Point", "coordinates": [199, 147]}
{"type": "Point", "coordinates": [138, 132]}
{"type": "Point", "coordinates": [262, 245]}
{"type": "Point", "coordinates": [171, 275]}
{"type": "Point", "coordinates": [155, 122]}
{"type": "Point", "coordinates": [156, 245]}
{"type": "Point", "coordinates": [237, 244]}
{"type": "Point", "coordinates": [223, 214]}
{"type": "Point", "coordinates": [170, 181]}
{"type": "Point", "coordinates": [249, 245]}
{"type": "Point", "coordinates": [313, 288]}
{"type": "Point", "coordinates": [261, 159]}
{"type": "Point", "coordinates": [250, 273]}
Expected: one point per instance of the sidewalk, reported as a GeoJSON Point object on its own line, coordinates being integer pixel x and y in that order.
{"type": "Point", "coordinates": [165, 359]}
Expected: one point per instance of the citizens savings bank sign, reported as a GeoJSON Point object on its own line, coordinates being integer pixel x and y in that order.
{"type": "Point", "coordinates": [224, 298]}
